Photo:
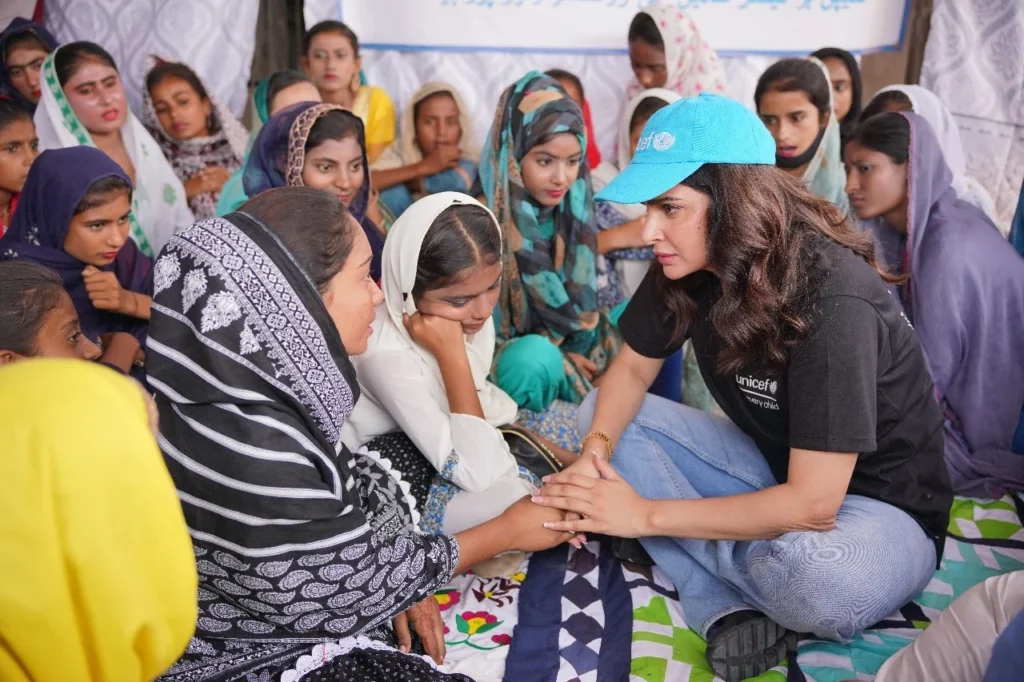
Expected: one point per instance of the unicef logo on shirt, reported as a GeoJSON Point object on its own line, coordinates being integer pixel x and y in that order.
{"type": "Point", "coordinates": [659, 141]}
{"type": "Point", "coordinates": [759, 392]}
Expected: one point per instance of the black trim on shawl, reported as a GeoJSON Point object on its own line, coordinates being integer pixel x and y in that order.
{"type": "Point", "coordinates": [295, 537]}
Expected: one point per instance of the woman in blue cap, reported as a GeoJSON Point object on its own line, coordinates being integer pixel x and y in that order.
{"type": "Point", "coordinates": [821, 507]}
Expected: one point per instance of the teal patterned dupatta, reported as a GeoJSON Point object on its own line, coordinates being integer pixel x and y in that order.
{"type": "Point", "coordinates": [550, 277]}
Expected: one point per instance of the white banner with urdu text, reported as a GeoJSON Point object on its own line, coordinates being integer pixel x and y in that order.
{"type": "Point", "coordinates": [776, 27]}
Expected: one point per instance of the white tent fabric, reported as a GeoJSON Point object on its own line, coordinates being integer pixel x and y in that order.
{"type": "Point", "coordinates": [215, 37]}
{"type": "Point", "coordinates": [974, 61]}
{"type": "Point", "coordinates": [9, 9]}
{"type": "Point", "coordinates": [482, 76]}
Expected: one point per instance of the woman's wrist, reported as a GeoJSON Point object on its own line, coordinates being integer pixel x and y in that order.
{"type": "Point", "coordinates": [120, 351]}
{"type": "Point", "coordinates": [422, 170]}
{"type": "Point", "coordinates": [123, 341]}
{"type": "Point", "coordinates": [589, 454]}
{"type": "Point", "coordinates": [484, 541]}
{"type": "Point", "coordinates": [599, 444]}
{"type": "Point", "coordinates": [451, 356]}
{"type": "Point", "coordinates": [647, 521]}
{"type": "Point", "coordinates": [457, 375]}
{"type": "Point", "coordinates": [128, 303]}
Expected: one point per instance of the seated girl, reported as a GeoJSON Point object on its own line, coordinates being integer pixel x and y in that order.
{"type": "Point", "coordinates": [84, 103]}
{"type": "Point", "coordinates": [610, 290]}
{"type": "Point", "coordinates": [621, 226]}
{"type": "Point", "coordinates": [330, 55]}
{"type": "Point", "coordinates": [844, 74]}
{"type": "Point", "coordinates": [964, 294]}
{"type": "Point", "coordinates": [666, 50]}
{"type": "Point", "coordinates": [435, 150]}
{"type": "Point", "coordinates": [425, 370]}
{"type": "Point", "coordinates": [794, 99]}
{"type": "Point", "coordinates": [256, 319]}
{"type": "Point", "coordinates": [24, 45]}
{"type": "Point", "coordinates": [319, 146]}
{"type": "Point", "coordinates": [553, 342]}
{"type": "Point", "coordinates": [73, 218]}
{"type": "Point", "coordinates": [203, 141]}
{"type": "Point", "coordinates": [928, 106]}
{"type": "Point", "coordinates": [19, 147]}
{"type": "Point", "coordinates": [92, 530]}
{"type": "Point", "coordinates": [38, 320]}
{"type": "Point", "coordinates": [271, 95]}
{"type": "Point", "coordinates": [821, 505]}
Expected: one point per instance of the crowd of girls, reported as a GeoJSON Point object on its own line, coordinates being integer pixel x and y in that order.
{"type": "Point", "coordinates": [376, 355]}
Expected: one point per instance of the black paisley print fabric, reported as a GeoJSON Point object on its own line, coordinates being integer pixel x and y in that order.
{"type": "Point", "coordinates": [297, 540]}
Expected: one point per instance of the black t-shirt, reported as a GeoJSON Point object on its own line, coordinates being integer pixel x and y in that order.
{"type": "Point", "coordinates": [857, 383]}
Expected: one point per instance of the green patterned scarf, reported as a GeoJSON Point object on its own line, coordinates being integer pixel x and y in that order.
{"type": "Point", "coordinates": [82, 137]}
{"type": "Point", "coordinates": [550, 283]}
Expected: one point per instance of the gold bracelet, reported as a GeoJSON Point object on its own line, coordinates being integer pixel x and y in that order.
{"type": "Point", "coordinates": [604, 437]}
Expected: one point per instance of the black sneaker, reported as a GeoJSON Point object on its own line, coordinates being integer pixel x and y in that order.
{"type": "Point", "coordinates": [746, 644]}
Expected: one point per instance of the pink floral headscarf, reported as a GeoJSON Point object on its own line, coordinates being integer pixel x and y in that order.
{"type": "Point", "coordinates": [693, 67]}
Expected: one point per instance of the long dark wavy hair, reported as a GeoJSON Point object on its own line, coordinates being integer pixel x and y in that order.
{"type": "Point", "coordinates": [763, 237]}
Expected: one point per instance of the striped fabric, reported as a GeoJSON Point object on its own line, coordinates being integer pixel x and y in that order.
{"type": "Point", "coordinates": [296, 538]}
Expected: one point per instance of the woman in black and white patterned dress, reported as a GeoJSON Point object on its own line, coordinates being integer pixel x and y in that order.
{"type": "Point", "coordinates": [298, 541]}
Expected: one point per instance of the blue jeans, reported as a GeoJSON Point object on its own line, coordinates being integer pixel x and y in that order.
{"type": "Point", "coordinates": [832, 584]}
{"type": "Point", "coordinates": [1008, 653]}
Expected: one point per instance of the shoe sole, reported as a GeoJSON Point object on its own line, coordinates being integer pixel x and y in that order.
{"type": "Point", "coordinates": [749, 649]}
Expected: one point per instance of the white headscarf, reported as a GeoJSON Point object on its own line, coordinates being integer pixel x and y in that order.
{"type": "Point", "coordinates": [825, 175]}
{"type": "Point", "coordinates": [399, 265]}
{"type": "Point", "coordinates": [159, 207]}
{"type": "Point", "coordinates": [624, 152]}
{"type": "Point", "coordinates": [928, 106]}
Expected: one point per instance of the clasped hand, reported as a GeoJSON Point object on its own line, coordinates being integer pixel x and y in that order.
{"type": "Point", "coordinates": [105, 291]}
{"type": "Point", "coordinates": [607, 505]}
{"type": "Point", "coordinates": [437, 334]}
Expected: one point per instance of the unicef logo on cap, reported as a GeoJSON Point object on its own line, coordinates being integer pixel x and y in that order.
{"type": "Point", "coordinates": [659, 141]}
{"type": "Point", "coordinates": [663, 141]}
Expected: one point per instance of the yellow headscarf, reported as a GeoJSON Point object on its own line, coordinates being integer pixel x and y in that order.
{"type": "Point", "coordinates": [97, 576]}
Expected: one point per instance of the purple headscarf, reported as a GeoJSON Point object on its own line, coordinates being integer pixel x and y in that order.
{"type": "Point", "coordinates": [56, 183]}
{"type": "Point", "coordinates": [17, 28]}
{"type": "Point", "coordinates": [278, 155]}
{"type": "Point", "coordinates": [965, 299]}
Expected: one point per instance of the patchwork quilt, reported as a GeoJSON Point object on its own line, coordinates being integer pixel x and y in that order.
{"type": "Point", "coordinates": [581, 616]}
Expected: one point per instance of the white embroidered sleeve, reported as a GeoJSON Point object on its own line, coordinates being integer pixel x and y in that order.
{"type": "Point", "coordinates": [398, 385]}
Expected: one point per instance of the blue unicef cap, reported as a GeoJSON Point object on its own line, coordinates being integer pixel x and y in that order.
{"type": "Point", "coordinates": [682, 137]}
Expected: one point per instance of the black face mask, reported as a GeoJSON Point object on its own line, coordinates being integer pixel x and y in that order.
{"type": "Point", "coordinates": [791, 162]}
